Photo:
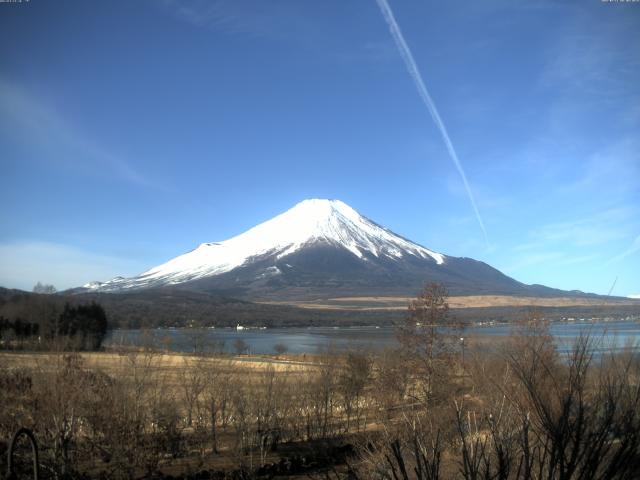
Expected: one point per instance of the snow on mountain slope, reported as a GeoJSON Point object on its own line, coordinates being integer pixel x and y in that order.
{"type": "Point", "coordinates": [309, 222]}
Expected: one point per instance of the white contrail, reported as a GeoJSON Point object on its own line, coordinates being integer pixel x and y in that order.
{"type": "Point", "coordinates": [412, 67]}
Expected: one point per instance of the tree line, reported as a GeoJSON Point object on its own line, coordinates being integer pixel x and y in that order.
{"type": "Point", "coordinates": [38, 321]}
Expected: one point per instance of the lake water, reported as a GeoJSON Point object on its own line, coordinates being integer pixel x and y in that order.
{"type": "Point", "coordinates": [611, 335]}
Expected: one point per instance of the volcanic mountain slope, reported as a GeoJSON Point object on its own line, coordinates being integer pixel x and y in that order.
{"type": "Point", "coordinates": [320, 248]}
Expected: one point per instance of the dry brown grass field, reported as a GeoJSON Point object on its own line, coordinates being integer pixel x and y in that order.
{"type": "Point", "coordinates": [115, 363]}
{"type": "Point", "coordinates": [469, 301]}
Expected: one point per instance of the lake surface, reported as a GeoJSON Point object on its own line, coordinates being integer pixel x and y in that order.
{"type": "Point", "coordinates": [607, 336]}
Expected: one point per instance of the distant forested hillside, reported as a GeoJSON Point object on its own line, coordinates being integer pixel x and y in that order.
{"type": "Point", "coordinates": [166, 307]}
{"type": "Point", "coordinates": [31, 320]}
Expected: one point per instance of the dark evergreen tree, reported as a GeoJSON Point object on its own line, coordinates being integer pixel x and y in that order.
{"type": "Point", "coordinates": [91, 322]}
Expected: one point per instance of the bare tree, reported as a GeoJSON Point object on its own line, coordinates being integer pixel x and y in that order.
{"type": "Point", "coordinates": [216, 393]}
{"type": "Point", "coordinates": [240, 346]}
{"type": "Point", "coordinates": [44, 288]}
{"type": "Point", "coordinates": [390, 381]}
{"type": "Point", "coordinates": [280, 348]}
{"type": "Point", "coordinates": [192, 384]}
{"type": "Point", "coordinates": [352, 381]}
{"type": "Point", "coordinates": [59, 403]}
{"type": "Point", "coordinates": [425, 345]}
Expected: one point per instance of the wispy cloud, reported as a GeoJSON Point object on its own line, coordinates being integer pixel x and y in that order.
{"type": "Point", "coordinates": [554, 258]}
{"type": "Point", "coordinates": [250, 17]}
{"type": "Point", "coordinates": [24, 264]}
{"type": "Point", "coordinates": [596, 229]}
{"type": "Point", "coordinates": [203, 13]}
{"type": "Point", "coordinates": [412, 68]}
{"type": "Point", "coordinates": [594, 60]}
{"type": "Point", "coordinates": [369, 51]}
{"type": "Point", "coordinates": [40, 126]}
{"type": "Point", "coordinates": [611, 172]}
{"type": "Point", "coordinates": [534, 259]}
{"type": "Point", "coordinates": [633, 249]}
{"type": "Point", "coordinates": [571, 260]}
{"type": "Point", "coordinates": [577, 241]}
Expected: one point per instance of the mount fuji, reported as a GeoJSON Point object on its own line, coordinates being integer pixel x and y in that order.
{"type": "Point", "coordinates": [319, 248]}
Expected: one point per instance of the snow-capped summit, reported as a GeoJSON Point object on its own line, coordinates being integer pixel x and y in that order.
{"type": "Point", "coordinates": [311, 222]}
{"type": "Point", "coordinates": [331, 221]}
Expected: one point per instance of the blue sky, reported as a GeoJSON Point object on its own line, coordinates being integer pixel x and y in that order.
{"type": "Point", "coordinates": [130, 132]}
